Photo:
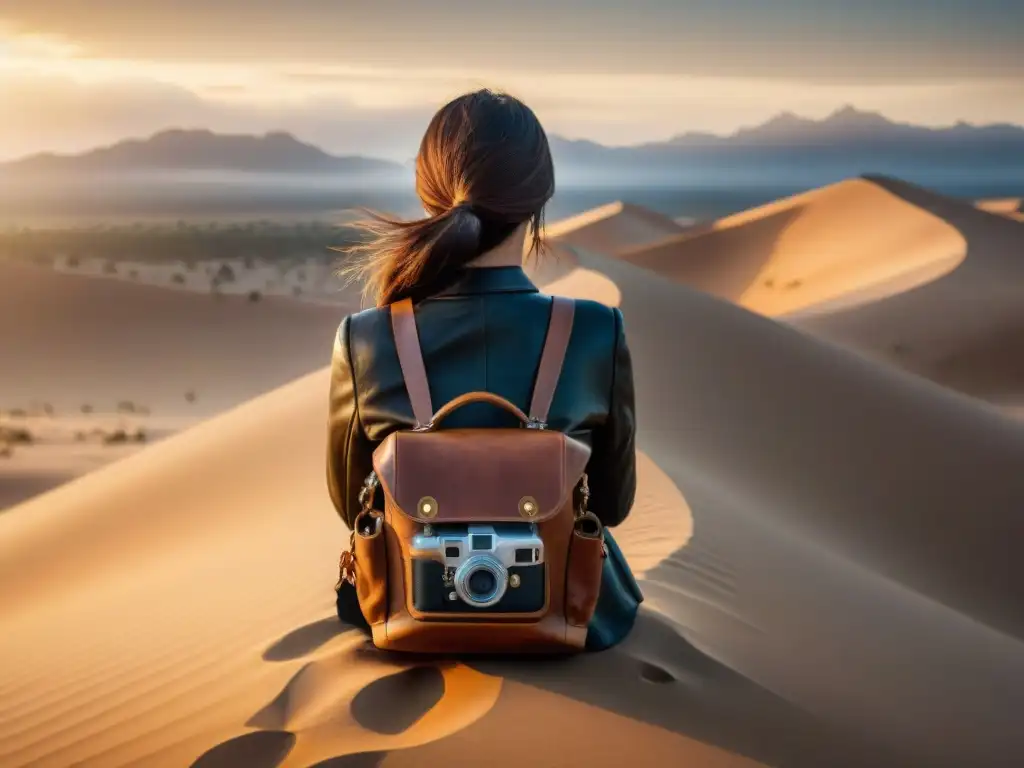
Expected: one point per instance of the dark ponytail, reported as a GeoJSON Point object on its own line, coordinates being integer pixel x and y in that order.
{"type": "Point", "coordinates": [484, 168]}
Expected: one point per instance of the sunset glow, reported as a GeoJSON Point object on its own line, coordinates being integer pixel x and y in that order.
{"type": "Point", "coordinates": [78, 84]}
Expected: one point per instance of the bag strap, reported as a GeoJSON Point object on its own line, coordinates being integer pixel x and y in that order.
{"type": "Point", "coordinates": [410, 358]}
{"type": "Point", "coordinates": [551, 359]}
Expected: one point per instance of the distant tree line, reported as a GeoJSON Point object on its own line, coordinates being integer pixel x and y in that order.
{"type": "Point", "coordinates": [182, 241]}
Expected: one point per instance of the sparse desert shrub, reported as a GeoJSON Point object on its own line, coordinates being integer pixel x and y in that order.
{"type": "Point", "coordinates": [255, 296]}
{"type": "Point", "coordinates": [86, 408]}
{"type": "Point", "coordinates": [794, 284]}
{"type": "Point", "coordinates": [140, 435]}
{"type": "Point", "coordinates": [110, 268]}
{"type": "Point", "coordinates": [225, 274]}
{"type": "Point", "coordinates": [117, 437]}
{"type": "Point", "coordinates": [178, 279]}
{"type": "Point", "coordinates": [18, 413]}
{"type": "Point", "coordinates": [15, 436]}
{"type": "Point", "coordinates": [126, 406]}
{"type": "Point", "coordinates": [769, 283]}
{"type": "Point", "coordinates": [190, 396]}
{"type": "Point", "coordinates": [80, 436]}
{"type": "Point", "coordinates": [46, 409]}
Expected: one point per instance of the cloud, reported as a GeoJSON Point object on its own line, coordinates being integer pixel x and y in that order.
{"type": "Point", "coordinates": [829, 40]}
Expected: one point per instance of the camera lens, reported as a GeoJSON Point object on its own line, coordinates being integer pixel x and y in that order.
{"type": "Point", "coordinates": [481, 584]}
{"type": "Point", "coordinates": [481, 581]}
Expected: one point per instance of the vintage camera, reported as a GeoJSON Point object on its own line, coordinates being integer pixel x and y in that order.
{"type": "Point", "coordinates": [486, 568]}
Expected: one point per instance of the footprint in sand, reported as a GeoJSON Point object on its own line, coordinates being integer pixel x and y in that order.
{"type": "Point", "coordinates": [655, 674]}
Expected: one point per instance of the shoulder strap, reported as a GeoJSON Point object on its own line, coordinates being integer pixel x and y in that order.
{"type": "Point", "coordinates": [551, 359]}
{"type": "Point", "coordinates": [410, 358]}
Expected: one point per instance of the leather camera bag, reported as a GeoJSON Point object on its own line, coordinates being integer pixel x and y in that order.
{"type": "Point", "coordinates": [484, 543]}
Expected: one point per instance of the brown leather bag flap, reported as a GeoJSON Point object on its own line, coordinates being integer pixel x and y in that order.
{"type": "Point", "coordinates": [480, 475]}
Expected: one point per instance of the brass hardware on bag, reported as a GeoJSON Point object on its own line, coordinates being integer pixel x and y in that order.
{"type": "Point", "coordinates": [347, 563]}
{"type": "Point", "coordinates": [514, 580]}
{"type": "Point", "coordinates": [366, 493]}
{"type": "Point", "coordinates": [584, 488]}
{"type": "Point", "coordinates": [427, 506]}
{"type": "Point", "coordinates": [528, 506]}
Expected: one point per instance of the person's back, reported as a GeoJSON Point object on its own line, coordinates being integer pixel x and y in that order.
{"type": "Point", "coordinates": [481, 323]}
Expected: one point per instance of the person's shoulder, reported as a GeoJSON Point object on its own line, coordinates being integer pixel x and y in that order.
{"type": "Point", "coordinates": [594, 309]}
{"type": "Point", "coordinates": [364, 326]}
{"type": "Point", "coordinates": [595, 314]}
{"type": "Point", "coordinates": [596, 326]}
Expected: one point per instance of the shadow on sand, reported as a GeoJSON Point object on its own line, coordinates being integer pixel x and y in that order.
{"type": "Point", "coordinates": [304, 640]}
{"type": "Point", "coordinates": [261, 749]}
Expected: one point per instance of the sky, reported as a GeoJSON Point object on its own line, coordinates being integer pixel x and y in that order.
{"type": "Point", "coordinates": [364, 77]}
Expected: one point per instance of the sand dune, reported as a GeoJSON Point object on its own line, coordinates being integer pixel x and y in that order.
{"type": "Point", "coordinates": [107, 341]}
{"type": "Point", "coordinates": [929, 284]}
{"type": "Point", "coordinates": [1010, 207]}
{"type": "Point", "coordinates": [613, 228]}
{"type": "Point", "coordinates": [806, 250]}
{"type": "Point", "coordinates": [72, 341]}
{"type": "Point", "coordinates": [828, 546]}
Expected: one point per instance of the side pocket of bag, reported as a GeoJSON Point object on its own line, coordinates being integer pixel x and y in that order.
{"type": "Point", "coordinates": [583, 570]}
{"type": "Point", "coordinates": [371, 567]}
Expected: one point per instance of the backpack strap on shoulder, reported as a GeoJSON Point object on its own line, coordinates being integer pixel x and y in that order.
{"type": "Point", "coordinates": [410, 358]}
{"type": "Point", "coordinates": [551, 359]}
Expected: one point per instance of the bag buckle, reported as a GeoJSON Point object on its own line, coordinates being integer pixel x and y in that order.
{"type": "Point", "coordinates": [366, 493]}
{"type": "Point", "coordinates": [347, 564]}
{"type": "Point", "coordinates": [584, 487]}
{"type": "Point", "coordinates": [347, 561]}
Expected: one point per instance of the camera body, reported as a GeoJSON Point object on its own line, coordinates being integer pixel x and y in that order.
{"type": "Point", "coordinates": [478, 569]}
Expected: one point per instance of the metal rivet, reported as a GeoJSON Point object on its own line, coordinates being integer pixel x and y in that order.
{"type": "Point", "coordinates": [514, 580]}
{"type": "Point", "coordinates": [427, 506]}
{"type": "Point", "coordinates": [453, 596]}
{"type": "Point", "coordinates": [528, 506]}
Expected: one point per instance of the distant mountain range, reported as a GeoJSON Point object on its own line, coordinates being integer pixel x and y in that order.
{"type": "Point", "coordinates": [846, 143]}
{"type": "Point", "coordinates": [201, 150]}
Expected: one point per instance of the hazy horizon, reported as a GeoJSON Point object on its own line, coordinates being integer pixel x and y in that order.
{"type": "Point", "coordinates": [365, 80]}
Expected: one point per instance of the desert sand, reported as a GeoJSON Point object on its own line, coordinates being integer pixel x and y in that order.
{"type": "Point", "coordinates": [1012, 207]}
{"type": "Point", "coordinates": [904, 276]}
{"type": "Point", "coordinates": [172, 357]}
{"type": "Point", "coordinates": [828, 545]}
{"type": "Point", "coordinates": [613, 228]}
